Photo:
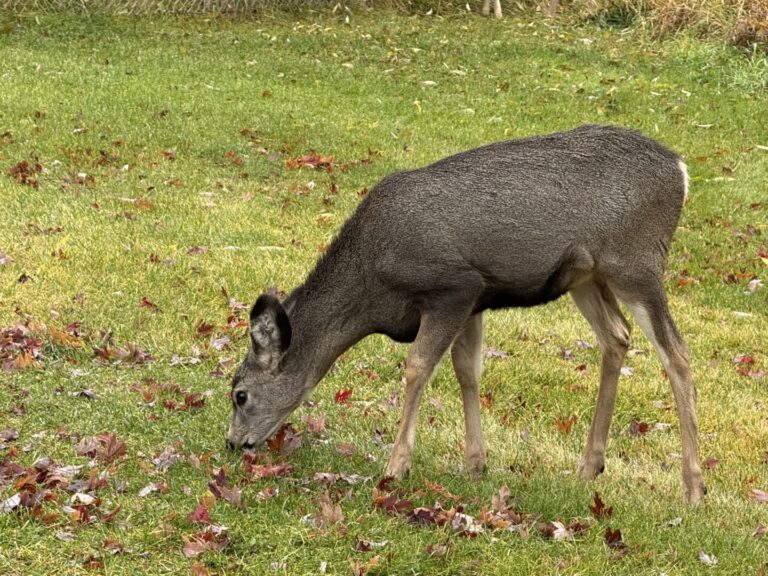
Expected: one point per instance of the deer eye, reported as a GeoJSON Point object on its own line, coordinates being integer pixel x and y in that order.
{"type": "Point", "coordinates": [241, 397]}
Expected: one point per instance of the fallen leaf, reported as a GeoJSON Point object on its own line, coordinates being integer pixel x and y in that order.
{"type": "Point", "coordinates": [758, 495]}
{"type": "Point", "coordinates": [637, 429]}
{"type": "Point", "coordinates": [346, 449]}
{"type": "Point", "coordinates": [707, 559]}
{"type": "Point", "coordinates": [367, 545]}
{"type": "Point", "coordinates": [437, 550]}
{"type": "Point", "coordinates": [10, 504]}
{"type": "Point", "coordinates": [710, 463]}
{"type": "Point", "coordinates": [199, 569]}
{"type": "Point", "coordinates": [199, 515]}
{"type": "Point", "coordinates": [329, 513]}
{"type": "Point", "coordinates": [495, 353]}
{"type": "Point", "coordinates": [674, 522]}
{"type": "Point", "coordinates": [342, 396]}
{"type": "Point", "coordinates": [361, 569]}
{"type": "Point", "coordinates": [200, 542]}
{"type": "Point", "coordinates": [565, 425]}
{"type": "Point", "coordinates": [599, 510]}
{"type": "Point", "coordinates": [614, 541]}
{"type": "Point", "coordinates": [316, 425]}
{"type": "Point", "coordinates": [285, 441]}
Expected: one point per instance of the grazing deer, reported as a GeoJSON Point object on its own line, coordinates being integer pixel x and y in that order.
{"type": "Point", "coordinates": [518, 223]}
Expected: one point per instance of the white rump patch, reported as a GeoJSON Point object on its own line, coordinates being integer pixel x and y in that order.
{"type": "Point", "coordinates": [686, 180]}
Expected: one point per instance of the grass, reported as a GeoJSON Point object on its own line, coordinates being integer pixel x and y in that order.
{"type": "Point", "coordinates": [157, 136]}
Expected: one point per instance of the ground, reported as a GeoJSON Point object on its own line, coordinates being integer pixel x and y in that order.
{"type": "Point", "coordinates": [157, 175]}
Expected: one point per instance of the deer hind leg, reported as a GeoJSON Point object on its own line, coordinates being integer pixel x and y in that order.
{"type": "Point", "coordinates": [467, 357]}
{"type": "Point", "coordinates": [486, 7]}
{"type": "Point", "coordinates": [651, 311]}
{"type": "Point", "coordinates": [601, 309]}
{"type": "Point", "coordinates": [436, 332]}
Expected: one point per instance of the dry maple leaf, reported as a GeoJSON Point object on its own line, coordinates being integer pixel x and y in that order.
{"type": "Point", "coordinates": [285, 441]}
{"type": "Point", "coordinates": [599, 509]}
{"type": "Point", "coordinates": [565, 425]}
{"type": "Point", "coordinates": [361, 569]}
{"type": "Point", "coordinates": [637, 429]}
{"type": "Point", "coordinates": [342, 396]}
{"type": "Point", "coordinates": [200, 542]}
{"type": "Point", "coordinates": [329, 513]}
{"type": "Point", "coordinates": [199, 515]}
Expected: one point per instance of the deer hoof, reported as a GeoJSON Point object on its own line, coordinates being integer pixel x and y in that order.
{"type": "Point", "coordinates": [399, 467]}
{"type": "Point", "coordinates": [695, 494]}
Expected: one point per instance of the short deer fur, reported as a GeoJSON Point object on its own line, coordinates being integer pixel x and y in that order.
{"type": "Point", "coordinates": [518, 223]}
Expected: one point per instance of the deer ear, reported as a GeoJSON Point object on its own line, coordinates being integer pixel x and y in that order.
{"type": "Point", "coordinates": [270, 331]}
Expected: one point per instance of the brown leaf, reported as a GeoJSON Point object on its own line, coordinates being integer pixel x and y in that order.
{"type": "Point", "coordinates": [199, 569]}
{"type": "Point", "coordinates": [329, 513]}
{"type": "Point", "coordinates": [112, 447]}
{"type": "Point", "coordinates": [437, 550]}
{"type": "Point", "coordinates": [346, 449]}
{"type": "Point", "coordinates": [614, 541]}
{"type": "Point", "coordinates": [565, 425]}
{"type": "Point", "coordinates": [390, 502]}
{"type": "Point", "coordinates": [599, 509]}
{"type": "Point", "coordinates": [200, 542]}
{"type": "Point", "coordinates": [315, 426]}
{"type": "Point", "coordinates": [710, 463]}
{"type": "Point", "coordinates": [361, 569]}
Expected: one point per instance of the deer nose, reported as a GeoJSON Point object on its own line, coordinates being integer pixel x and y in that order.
{"type": "Point", "coordinates": [230, 445]}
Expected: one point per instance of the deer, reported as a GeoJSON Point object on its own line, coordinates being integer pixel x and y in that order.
{"type": "Point", "coordinates": [590, 212]}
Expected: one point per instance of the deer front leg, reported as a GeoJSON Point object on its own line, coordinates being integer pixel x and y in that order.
{"type": "Point", "coordinates": [467, 357]}
{"type": "Point", "coordinates": [436, 333]}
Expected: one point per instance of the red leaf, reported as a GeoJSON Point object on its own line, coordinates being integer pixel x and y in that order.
{"type": "Point", "coordinates": [199, 515]}
{"type": "Point", "coordinates": [151, 306]}
{"type": "Point", "coordinates": [637, 429]}
{"type": "Point", "coordinates": [285, 440]}
{"type": "Point", "coordinates": [342, 396]}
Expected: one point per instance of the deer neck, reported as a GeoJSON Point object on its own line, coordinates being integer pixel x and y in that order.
{"type": "Point", "coordinates": [328, 315]}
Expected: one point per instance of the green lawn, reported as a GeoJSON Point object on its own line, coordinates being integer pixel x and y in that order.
{"type": "Point", "coordinates": [159, 194]}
